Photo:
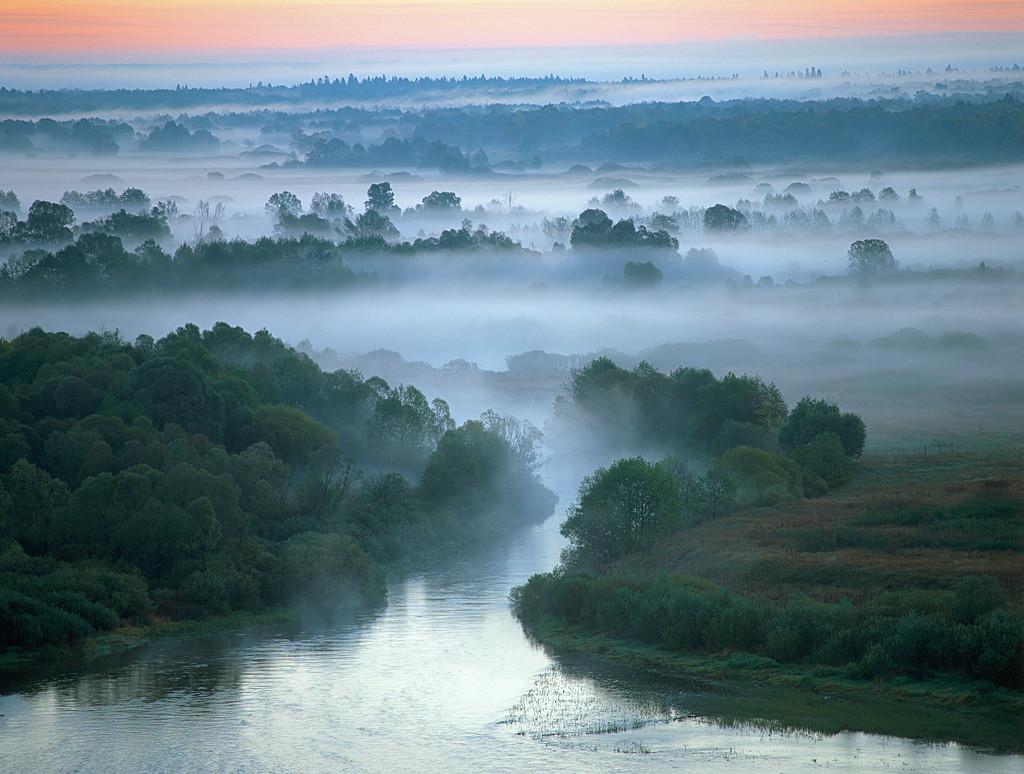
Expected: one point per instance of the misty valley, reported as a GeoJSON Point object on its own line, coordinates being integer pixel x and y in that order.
{"type": "Point", "coordinates": [598, 424]}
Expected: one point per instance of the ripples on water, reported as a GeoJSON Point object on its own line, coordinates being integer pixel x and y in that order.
{"type": "Point", "coordinates": [442, 681]}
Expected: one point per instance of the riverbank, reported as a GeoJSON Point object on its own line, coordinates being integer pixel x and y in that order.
{"type": "Point", "coordinates": [127, 637]}
{"type": "Point", "coordinates": [892, 606]}
{"type": "Point", "coordinates": [756, 691]}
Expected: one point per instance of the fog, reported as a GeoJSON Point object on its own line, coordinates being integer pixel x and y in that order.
{"type": "Point", "coordinates": [522, 243]}
{"type": "Point", "coordinates": [844, 342]}
{"type": "Point", "coordinates": [774, 298]}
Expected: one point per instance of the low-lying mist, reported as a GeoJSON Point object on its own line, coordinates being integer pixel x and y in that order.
{"type": "Point", "coordinates": [916, 358]}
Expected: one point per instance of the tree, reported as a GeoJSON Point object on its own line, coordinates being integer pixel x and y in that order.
{"type": "Point", "coordinates": [722, 218]}
{"type": "Point", "coordinates": [809, 418]}
{"type": "Point", "coordinates": [871, 257]}
{"type": "Point", "coordinates": [329, 206]}
{"type": "Point", "coordinates": [762, 478]}
{"type": "Point", "coordinates": [293, 435]}
{"type": "Point", "coordinates": [641, 275]}
{"type": "Point", "coordinates": [825, 462]}
{"type": "Point", "coordinates": [464, 470]}
{"type": "Point", "coordinates": [621, 509]}
{"type": "Point", "coordinates": [372, 223]}
{"type": "Point", "coordinates": [591, 228]}
{"type": "Point", "coordinates": [48, 222]}
{"type": "Point", "coordinates": [381, 198]}
{"type": "Point", "coordinates": [173, 390]}
{"type": "Point", "coordinates": [521, 438]}
{"type": "Point", "coordinates": [441, 201]}
{"type": "Point", "coordinates": [283, 204]}
{"type": "Point", "coordinates": [206, 216]}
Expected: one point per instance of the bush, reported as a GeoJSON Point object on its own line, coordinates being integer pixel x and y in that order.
{"type": "Point", "coordinates": [975, 596]}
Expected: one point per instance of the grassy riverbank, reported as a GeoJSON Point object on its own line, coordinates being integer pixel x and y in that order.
{"type": "Point", "coordinates": [892, 606]}
{"type": "Point", "coordinates": [746, 689]}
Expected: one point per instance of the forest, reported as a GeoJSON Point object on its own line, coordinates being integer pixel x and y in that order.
{"type": "Point", "coordinates": [217, 471]}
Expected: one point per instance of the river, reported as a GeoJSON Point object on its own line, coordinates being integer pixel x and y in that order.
{"type": "Point", "coordinates": [442, 680]}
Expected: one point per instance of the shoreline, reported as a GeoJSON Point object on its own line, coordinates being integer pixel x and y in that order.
{"type": "Point", "coordinates": [787, 697]}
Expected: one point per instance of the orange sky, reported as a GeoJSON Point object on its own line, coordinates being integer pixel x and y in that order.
{"type": "Point", "coordinates": [70, 29]}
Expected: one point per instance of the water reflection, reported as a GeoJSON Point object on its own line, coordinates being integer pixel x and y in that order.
{"type": "Point", "coordinates": [443, 680]}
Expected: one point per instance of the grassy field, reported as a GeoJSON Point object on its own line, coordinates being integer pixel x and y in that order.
{"type": "Point", "coordinates": [905, 522]}
{"type": "Point", "coordinates": [896, 542]}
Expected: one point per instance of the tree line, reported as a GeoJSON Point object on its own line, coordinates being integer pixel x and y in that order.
{"type": "Point", "coordinates": [217, 471]}
{"type": "Point", "coordinates": [760, 452]}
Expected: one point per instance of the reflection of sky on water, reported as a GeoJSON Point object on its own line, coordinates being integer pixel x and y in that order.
{"type": "Point", "coordinates": [441, 681]}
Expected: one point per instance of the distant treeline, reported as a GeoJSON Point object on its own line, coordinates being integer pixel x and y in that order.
{"type": "Point", "coordinates": [17, 101]}
{"type": "Point", "coordinates": [217, 471]}
{"type": "Point", "coordinates": [959, 129]}
{"type": "Point", "coordinates": [98, 264]}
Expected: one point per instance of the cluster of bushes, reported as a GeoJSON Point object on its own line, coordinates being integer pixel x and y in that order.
{"type": "Point", "coordinates": [215, 471]}
{"type": "Point", "coordinates": [763, 453]}
{"type": "Point", "coordinates": [99, 264]}
{"type": "Point", "coordinates": [593, 228]}
{"type": "Point", "coordinates": [967, 633]}
{"type": "Point", "coordinates": [771, 451]}
{"type": "Point", "coordinates": [416, 152]}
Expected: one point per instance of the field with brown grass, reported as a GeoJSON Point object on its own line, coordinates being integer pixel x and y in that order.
{"type": "Point", "coordinates": [905, 522]}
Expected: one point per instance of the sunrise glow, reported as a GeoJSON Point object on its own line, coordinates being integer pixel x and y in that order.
{"type": "Point", "coordinates": [77, 28]}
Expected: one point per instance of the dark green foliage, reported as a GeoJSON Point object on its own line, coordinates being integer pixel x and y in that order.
{"type": "Point", "coordinates": [99, 264]}
{"type": "Point", "coordinates": [440, 201]}
{"type": "Point", "coordinates": [975, 596]}
{"type": "Point", "coordinates": [825, 462]}
{"type": "Point", "coordinates": [45, 602]}
{"type": "Point", "coordinates": [621, 509]}
{"type": "Point", "coordinates": [762, 478]}
{"type": "Point", "coordinates": [688, 409]}
{"type": "Point", "coordinates": [722, 218]}
{"type": "Point", "coordinates": [876, 639]}
{"type": "Point", "coordinates": [291, 434]}
{"type": "Point", "coordinates": [202, 474]}
{"type": "Point", "coordinates": [641, 275]}
{"type": "Point", "coordinates": [47, 223]}
{"type": "Point", "coordinates": [136, 227]}
{"type": "Point", "coordinates": [811, 417]}
{"type": "Point", "coordinates": [328, 570]}
{"type": "Point", "coordinates": [871, 257]}
{"type": "Point", "coordinates": [175, 138]}
{"type": "Point", "coordinates": [593, 228]}
{"type": "Point", "coordinates": [465, 464]}
{"type": "Point", "coordinates": [170, 390]}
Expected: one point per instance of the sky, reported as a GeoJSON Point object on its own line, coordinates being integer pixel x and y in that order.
{"type": "Point", "coordinates": [530, 32]}
{"type": "Point", "coordinates": [99, 29]}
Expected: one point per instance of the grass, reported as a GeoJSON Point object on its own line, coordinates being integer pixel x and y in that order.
{"type": "Point", "coordinates": [902, 535]}
{"type": "Point", "coordinates": [754, 690]}
{"type": "Point", "coordinates": [902, 523]}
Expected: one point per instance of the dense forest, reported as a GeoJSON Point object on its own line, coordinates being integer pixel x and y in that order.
{"type": "Point", "coordinates": [217, 471]}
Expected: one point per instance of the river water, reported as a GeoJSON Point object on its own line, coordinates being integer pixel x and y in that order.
{"type": "Point", "coordinates": [443, 680]}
